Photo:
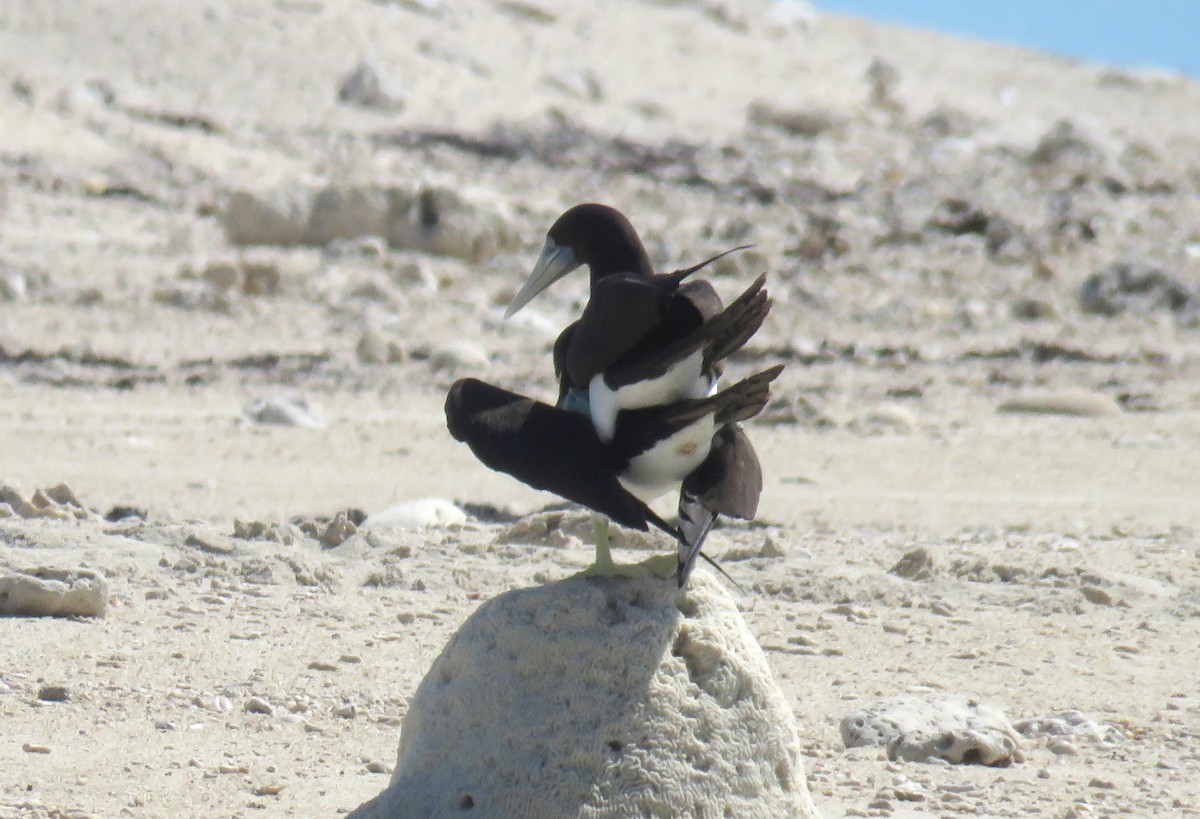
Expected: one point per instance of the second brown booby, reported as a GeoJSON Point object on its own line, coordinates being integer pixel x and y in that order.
{"type": "Point", "coordinates": [643, 339]}
{"type": "Point", "coordinates": [559, 451]}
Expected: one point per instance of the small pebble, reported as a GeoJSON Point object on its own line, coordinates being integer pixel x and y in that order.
{"type": "Point", "coordinates": [53, 693]}
{"type": "Point", "coordinates": [583, 85]}
{"type": "Point", "coordinates": [339, 530]}
{"type": "Point", "coordinates": [376, 348]}
{"type": "Point", "coordinates": [1027, 309]}
{"type": "Point", "coordinates": [803, 122]}
{"type": "Point", "coordinates": [906, 790]}
{"type": "Point", "coordinates": [285, 411]}
{"type": "Point", "coordinates": [364, 87]}
{"type": "Point", "coordinates": [458, 354]}
{"type": "Point", "coordinates": [1062, 747]}
{"type": "Point", "coordinates": [346, 710]}
{"type": "Point", "coordinates": [1097, 595]}
{"type": "Point", "coordinates": [415, 514]}
{"type": "Point", "coordinates": [526, 10]}
{"type": "Point", "coordinates": [258, 705]}
{"type": "Point", "coordinates": [887, 418]}
{"type": "Point", "coordinates": [262, 278]}
{"type": "Point", "coordinates": [916, 564]}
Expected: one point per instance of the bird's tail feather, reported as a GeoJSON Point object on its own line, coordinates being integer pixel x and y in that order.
{"type": "Point", "coordinates": [746, 398]}
{"type": "Point", "coordinates": [680, 275]}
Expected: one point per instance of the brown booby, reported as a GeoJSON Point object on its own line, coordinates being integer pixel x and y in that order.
{"type": "Point", "coordinates": [646, 341]}
{"type": "Point", "coordinates": [643, 339]}
{"type": "Point", "coordinates": [559, 450]}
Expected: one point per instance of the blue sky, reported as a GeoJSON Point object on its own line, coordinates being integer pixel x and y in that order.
{"type": "Point", "coordinates": [1132, 33]}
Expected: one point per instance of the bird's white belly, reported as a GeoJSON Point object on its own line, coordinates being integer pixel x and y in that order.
{"type": "Point", "coordinates": [663, 467]}
{"type": "Point", "coordinates": [682, 381]}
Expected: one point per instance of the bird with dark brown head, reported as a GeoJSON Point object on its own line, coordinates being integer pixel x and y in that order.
{"type": "Point", "coordinates": [589, 234]}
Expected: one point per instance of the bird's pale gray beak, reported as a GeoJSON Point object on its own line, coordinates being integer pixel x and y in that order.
{"type": "Point", "coordinates": [554, 262]}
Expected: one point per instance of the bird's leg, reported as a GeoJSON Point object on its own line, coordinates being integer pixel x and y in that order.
{"type": "Point", "coordinates": [604, 566]}
{"type": "Point", "coordinates": [657, 566]}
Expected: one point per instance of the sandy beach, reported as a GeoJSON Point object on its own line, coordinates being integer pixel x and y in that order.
{"type": "Point", "coordinates": [246, 247]}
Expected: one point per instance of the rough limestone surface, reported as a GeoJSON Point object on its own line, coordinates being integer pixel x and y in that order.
{"type": "Point", "coordinates": [599, 698]}
{"type": "Point", "coordinates": [51, 592]}
{"type": "Point", "coordinates": [471, 225]}
{"type": "Point", "coordinates": [951, 728]}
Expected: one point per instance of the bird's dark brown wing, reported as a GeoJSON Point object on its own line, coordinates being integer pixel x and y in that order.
{"type": "Point", "coordinates": [630, 312]}
{"type": "Point", "coordinates": [621, 312]}
{"type": "Point", "coordinates": [718, 335]}
{"type": "Point", "coordinates": [544, 447]}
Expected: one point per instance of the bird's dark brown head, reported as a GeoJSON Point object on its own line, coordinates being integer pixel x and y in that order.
{"type": "Point", "coordinates": [603, 239]}
{"type": "Point", "coordinates": [594, 235]}
{"type": "Point", "coordinates": [458, 412]}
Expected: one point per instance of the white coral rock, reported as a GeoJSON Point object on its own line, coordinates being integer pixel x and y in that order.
{"type": "Point", "coordinates": [952, 728]}
{"type": "Point", "coordinates": [599, 698]}
{"type": "Point", "coordinates": [51, 592]}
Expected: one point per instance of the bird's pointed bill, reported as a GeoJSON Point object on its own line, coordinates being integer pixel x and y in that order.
{"type": "Point", "coordinates": [554, 262]}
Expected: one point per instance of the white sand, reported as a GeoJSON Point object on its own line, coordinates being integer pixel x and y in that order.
{"type": "Point", "coordinates": [1066, 569]}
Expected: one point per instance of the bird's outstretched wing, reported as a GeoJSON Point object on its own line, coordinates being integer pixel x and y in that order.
{"type": "Point", "coordinates": [546, 448]}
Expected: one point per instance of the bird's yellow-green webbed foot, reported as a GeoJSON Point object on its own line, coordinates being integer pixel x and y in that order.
{"type": "Point", "coordinates": [658, 566]}
{"type": "Point", "coordinates": [661, 566]}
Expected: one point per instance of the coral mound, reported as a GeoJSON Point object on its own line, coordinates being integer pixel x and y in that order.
{"type": "Point", "coordinates": [588, 698]}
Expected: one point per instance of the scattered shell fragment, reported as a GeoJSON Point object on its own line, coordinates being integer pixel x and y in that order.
{"type": "Point", "coordinates": [285, 411]}
{"type": "Point", "coordinates": [415, 514]}
{"type": "Point", "coordinates": [1067, 402]}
